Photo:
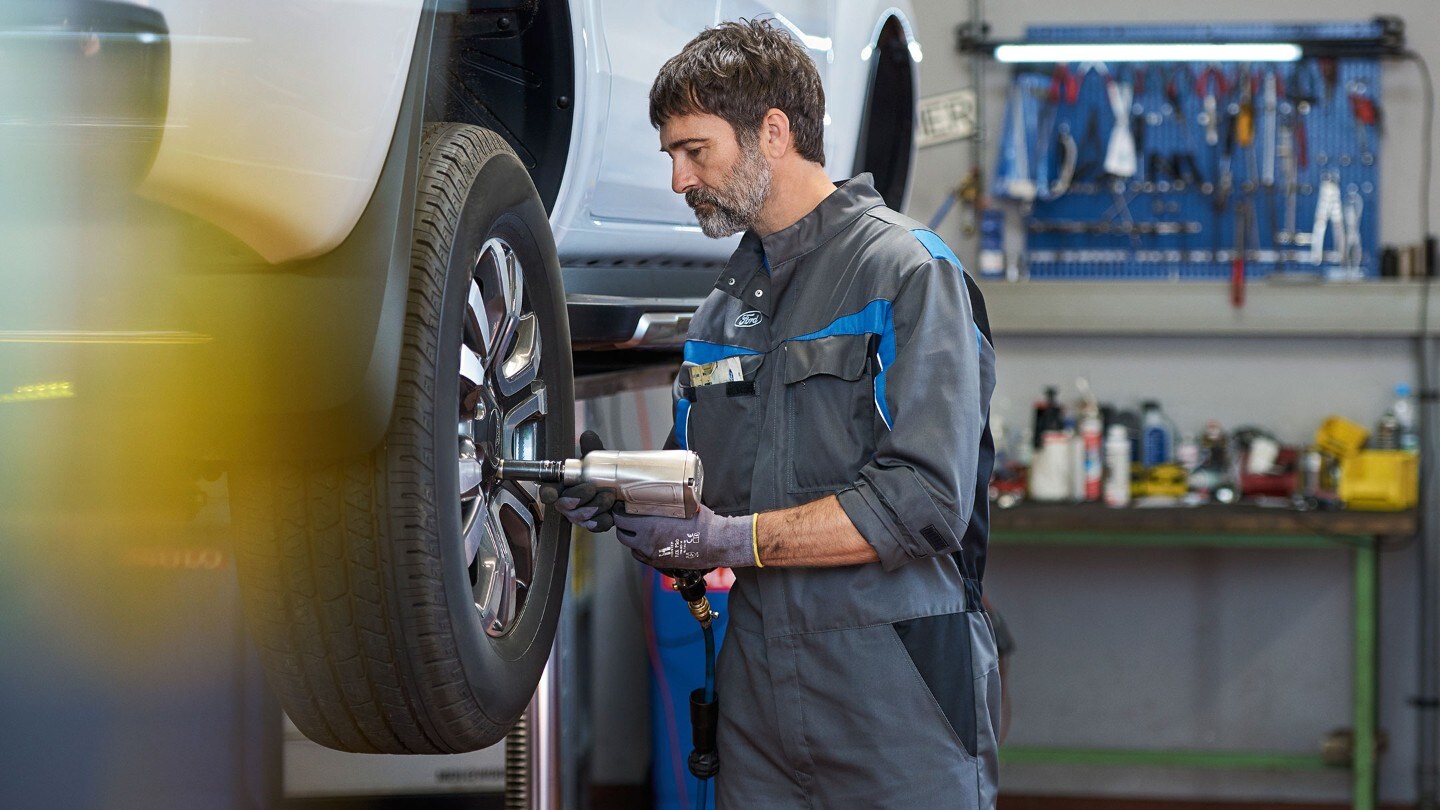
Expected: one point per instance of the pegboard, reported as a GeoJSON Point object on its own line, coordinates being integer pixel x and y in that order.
{"type": "Point", "coordinates": [1174, 219]}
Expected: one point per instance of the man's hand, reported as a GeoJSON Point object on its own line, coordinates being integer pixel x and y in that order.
{"type": "Point", "coordinates": [584, 504]}
{"type": "Point", "coordinates": [702, 542]}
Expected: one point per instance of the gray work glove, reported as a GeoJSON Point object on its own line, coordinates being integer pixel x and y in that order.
{"type": "Point", "coordinates": [583, 504]}
{"type": "Point", "coordinates": [702, 542]}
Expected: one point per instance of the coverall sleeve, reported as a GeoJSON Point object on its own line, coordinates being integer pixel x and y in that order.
{"type": "Point", "coordinates": [915, 496]}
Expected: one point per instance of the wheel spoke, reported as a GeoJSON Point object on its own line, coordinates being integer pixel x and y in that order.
{"type": "Point", "coordinates": [494, 301]}
{"type": "Point", "coordinates": [507, 558]}
{"type": "Point", "coordinates": [479, 331]}
{"type": "Point", "coordinates": [527, 494]}
{"type": "Point", "coordinates": [472, 377]}
{"type": "Point", "coordinates": [529, 409]}
{"type": "Point", "coordinates": [476, 527]}
{"type": "Point", "coordinates": [521, 367]}
{"type": "Point", "coordinates": [519, 530]}
{"type": "Point", "coordinates": [496, 590]}
{"type": "Point", "coordinates": [472, 475]}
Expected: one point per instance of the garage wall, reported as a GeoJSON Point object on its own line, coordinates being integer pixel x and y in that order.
{"type": "Point", "coordinates": [1194, 648]}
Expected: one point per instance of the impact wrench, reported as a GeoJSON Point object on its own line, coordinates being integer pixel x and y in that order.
{"type": "Point", "coordinates": [666, 483]}
{"type": "Point", "coordinates": [650, 482]}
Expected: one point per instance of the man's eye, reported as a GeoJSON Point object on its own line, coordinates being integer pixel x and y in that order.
{"type": "Point", "coordinates": [693, 153]}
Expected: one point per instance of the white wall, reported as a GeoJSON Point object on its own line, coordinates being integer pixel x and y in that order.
{"type": "Point", "coordinates": [1232, 649]}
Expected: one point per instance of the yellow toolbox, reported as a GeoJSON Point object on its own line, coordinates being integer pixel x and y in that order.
{"type": "Point", "coordinates": [1380, 480]}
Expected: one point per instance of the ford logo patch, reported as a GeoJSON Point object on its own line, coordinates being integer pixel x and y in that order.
{"type": "Point", "coordinates": [749, 319]}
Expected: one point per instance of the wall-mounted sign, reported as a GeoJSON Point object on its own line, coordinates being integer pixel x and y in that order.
{"type": "Point", "coordinates": [946, 117]}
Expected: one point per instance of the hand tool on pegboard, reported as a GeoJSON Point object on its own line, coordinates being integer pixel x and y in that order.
{"type": "Point", "coordinates": [1245, 127]}
{"type": "Point", "coordinates": [1064, 89]}
{"type": "Point", "coordinates": [1328, 216]}
{"type": "Point", "coordinates": [1366, 112]}
{"type": "Point", "coordinates": [1224, 183]}
{"type": "Point", "coordinates": [1285, 152]}
{"type": "Point", "coordinates": [1354, 248]}
{"type": "Point", "coordinates": [1300, 91]}
{"type": "Point", "coordinates": [1211, 87]}
{"type": "Point", "coordinates": [1237, 262]}
{"type": "Point", "coordinates": [1269, 111]}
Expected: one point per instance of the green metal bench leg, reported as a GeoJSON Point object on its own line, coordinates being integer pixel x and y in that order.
{"type": "Point", "coordinates": [1363, 762]}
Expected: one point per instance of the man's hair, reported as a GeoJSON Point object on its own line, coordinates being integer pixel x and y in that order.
{"type": "Point", "coordinates": [738, 71]}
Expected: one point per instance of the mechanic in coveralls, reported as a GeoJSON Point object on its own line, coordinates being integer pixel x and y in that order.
{"type": "Point", "coordinates": [836, 386]}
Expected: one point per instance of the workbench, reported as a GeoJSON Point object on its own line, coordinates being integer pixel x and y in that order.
{"type": "Point", "coordinates": [1361, 533]}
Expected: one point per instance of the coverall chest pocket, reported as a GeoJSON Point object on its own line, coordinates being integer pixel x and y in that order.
{"type": "Point", "coordinates": [830, 405]}
{"type": "Point", "coordinates": [723, 428]}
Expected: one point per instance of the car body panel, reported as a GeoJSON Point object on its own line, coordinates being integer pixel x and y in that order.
{"type": "Point", "coordinates": [280, 116]}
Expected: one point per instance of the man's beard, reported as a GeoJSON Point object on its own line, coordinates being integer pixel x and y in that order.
{"type": "Point", "coordinates": [736, 205]}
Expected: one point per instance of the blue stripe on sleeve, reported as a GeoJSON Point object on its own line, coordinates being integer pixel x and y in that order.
{"type": "Point", "coordinates": [939, 250]}
{"type": "Point", "coordinates": [937, 247]}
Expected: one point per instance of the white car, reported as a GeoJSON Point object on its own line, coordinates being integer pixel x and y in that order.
{"type": "Point", "coordinates": [358, 222]}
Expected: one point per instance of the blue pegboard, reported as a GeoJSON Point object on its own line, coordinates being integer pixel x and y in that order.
{"type": "Point", "coordinates": [1178, 230]}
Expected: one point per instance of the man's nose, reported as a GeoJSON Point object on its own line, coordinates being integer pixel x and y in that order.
{"type": "Point", "coordinates": [682, 179]}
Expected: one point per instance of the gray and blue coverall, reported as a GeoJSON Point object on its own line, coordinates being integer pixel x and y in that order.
{"type": "Point", "coordinates": [867, 372]}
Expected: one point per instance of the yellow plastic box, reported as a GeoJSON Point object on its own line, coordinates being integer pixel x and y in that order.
{"type": "Point", "coordinates": [1380, 480]}
{"type": "Point", "coordinates": [1340, 437]}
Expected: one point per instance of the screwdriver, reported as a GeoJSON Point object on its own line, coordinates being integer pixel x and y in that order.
{"type": "Point", "coordinates": [1237, 263]}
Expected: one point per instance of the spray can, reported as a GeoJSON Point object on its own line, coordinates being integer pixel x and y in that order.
{"type": "Point", "coordinates": [1117, 466]}
{"type": "Point", "coordinates": [1092, 450]}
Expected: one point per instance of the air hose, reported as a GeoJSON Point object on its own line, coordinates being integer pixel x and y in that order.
{"type": "Point", "coordinates": [704, 762]}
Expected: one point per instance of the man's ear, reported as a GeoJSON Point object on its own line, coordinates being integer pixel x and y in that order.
{"type": "Point", "coordinates": [775, 134]}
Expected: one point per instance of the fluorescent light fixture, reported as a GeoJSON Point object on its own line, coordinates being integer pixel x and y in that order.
{"type": "Point", "coordinates": [1151, 52]}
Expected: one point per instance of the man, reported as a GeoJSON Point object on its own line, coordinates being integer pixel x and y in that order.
{"type": "Point", "coordinates": [836, 386]}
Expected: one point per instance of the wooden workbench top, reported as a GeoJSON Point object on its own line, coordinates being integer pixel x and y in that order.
{"type": "Point", "coordinates": [1212, 519]}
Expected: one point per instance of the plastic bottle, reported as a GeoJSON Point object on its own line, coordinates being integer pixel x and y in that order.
{"type": "Point", "coordinates": [1050, 469]}
{"type": "Point", "coordinates": [1048, 415]}
{"type": "Point", "coordinates": [1156, 439]}
{"type": "Point", "coordinates": [1187, 452]}
{"type": "Point", "coordinates": [1117, 466]}
{"type": "Point", "coordinates": [1404, 411]}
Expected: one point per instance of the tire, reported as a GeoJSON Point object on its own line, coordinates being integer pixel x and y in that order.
{"type": "Point", "coordinates": [366, 581]}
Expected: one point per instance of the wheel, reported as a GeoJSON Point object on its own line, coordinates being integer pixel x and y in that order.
{"type": "Point", "coordinates": [404, 600]}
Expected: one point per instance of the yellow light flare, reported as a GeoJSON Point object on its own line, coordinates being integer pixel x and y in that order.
{"type": "Point", "coordinates": [111, 337]}
{"type": "Point", "coordinates": [39, 391]}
